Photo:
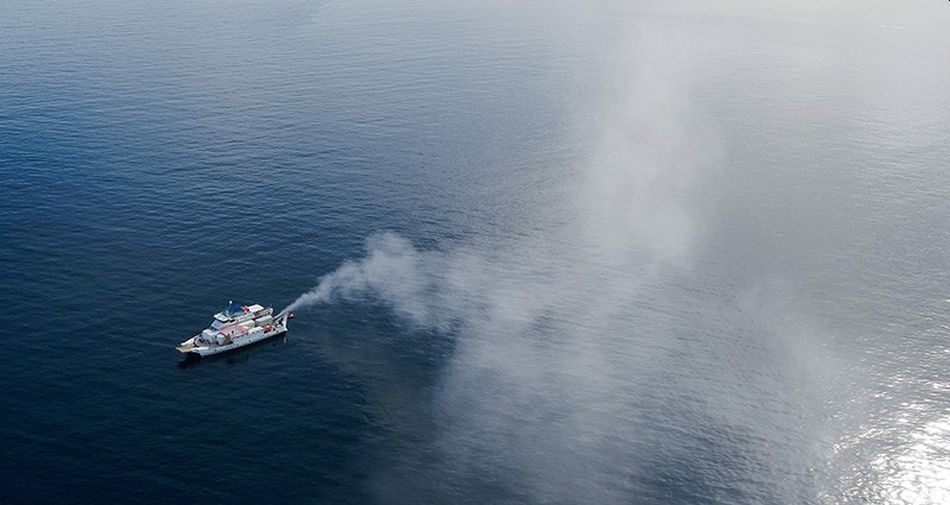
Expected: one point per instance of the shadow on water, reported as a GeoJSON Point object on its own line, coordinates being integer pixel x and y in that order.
{"type": "Point", "coordinates": [236, 356]}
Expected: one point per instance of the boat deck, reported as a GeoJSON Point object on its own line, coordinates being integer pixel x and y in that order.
{"type": "Point", "coordinates": [186, 347]}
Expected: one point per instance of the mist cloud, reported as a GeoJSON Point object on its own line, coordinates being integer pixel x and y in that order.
{"type": "Point", "coordinates": [582, 363]}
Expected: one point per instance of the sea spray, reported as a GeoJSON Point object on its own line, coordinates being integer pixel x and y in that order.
{"type": "Point", "coordinates": [392, 271]}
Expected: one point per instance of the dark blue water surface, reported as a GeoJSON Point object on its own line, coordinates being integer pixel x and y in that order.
{"type": "Point", "coordinates": [680, 256]}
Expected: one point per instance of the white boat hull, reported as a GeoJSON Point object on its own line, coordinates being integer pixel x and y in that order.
{"type": "Point", "coordinates": [195, 347]}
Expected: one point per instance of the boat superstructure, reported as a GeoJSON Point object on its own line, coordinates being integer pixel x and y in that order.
{"type": "Point", "coordinates": [234, 327]}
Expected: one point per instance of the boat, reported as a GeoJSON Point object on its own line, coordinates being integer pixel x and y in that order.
{"type": "Point", "coordinates": [235, 327]}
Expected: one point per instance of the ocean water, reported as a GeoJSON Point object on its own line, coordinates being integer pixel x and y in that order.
{"type": "Point", "coordinates": [598, 252]}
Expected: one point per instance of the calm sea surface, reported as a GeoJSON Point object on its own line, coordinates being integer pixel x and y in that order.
{"type": "Point", "coordinates": [657, 256]}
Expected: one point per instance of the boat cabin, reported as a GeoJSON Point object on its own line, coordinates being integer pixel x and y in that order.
{"type": "Point", "coordinates": [236, 314]}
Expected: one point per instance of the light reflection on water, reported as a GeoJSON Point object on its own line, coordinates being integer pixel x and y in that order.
{"type": "Point", "coordinates": [917, 472]}
{"type": "Point", "coordinates": [898, 458]}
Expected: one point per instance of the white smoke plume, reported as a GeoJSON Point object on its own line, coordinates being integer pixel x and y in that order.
{"type": "Point", "coordinates": [562, 335]}
{"type": "Point", "coordinates": [429, 288]}
{"type": "Point", "coordinates": [553, 341]}
{"type": "Point", "coordinates": [392, 271]}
